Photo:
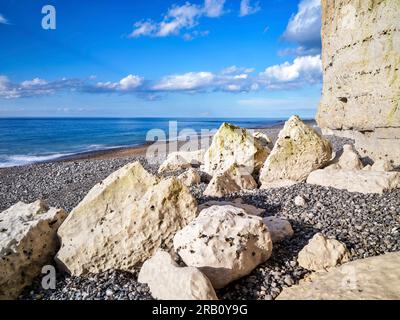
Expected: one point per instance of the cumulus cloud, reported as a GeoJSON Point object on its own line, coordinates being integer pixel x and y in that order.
{"type": "Point", "coordinates": [35, 87]}
{"type": "Point", "coordinates": [304, 28]}
{"type": "Point", "coordinates": [3, 20]}
{"type": "Point", "coordinates": [129, 83]}
{"type": "Point", "coordinates": [179, 18]}
{"type": "Point", "coordinates": [303, 70]}
{"type": "Point", "coordinates": [185, 82]}
{"type": "Point", "coordinates": [246, 8]}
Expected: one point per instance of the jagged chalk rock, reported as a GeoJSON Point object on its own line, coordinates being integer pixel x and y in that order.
{"type": "Point", "coordinates": [321, 253]}
{"type": "Point", "coordinates": [232, 145]}
{"type": "Point", "coordinates": [225, 243]}
{"type": "Point", "coordinates": [167, 281]}
{"type": "Point", "coordinates": [298, 151]}
{"type": "Point", "coordinates": [123, 221]}
{"type": "Point", "coordinates": [28, 241]}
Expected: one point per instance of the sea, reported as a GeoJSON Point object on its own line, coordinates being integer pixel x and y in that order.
{"type": "Point", "coordinates": [30, 140]}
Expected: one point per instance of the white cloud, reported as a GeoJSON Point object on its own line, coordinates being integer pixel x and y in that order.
{"type": "Point", "coordinates": [235, 69]}
{"type": "Point", "coordinates": [307, 69]}
{"type": "Point", "coordinates": [301, 72]}
{"type": "Point", "coordinates": [178, 19]}
{"type": "Point", "coordinates": [246, 8]}
{"type": "Point", "coordinates": [214, 8]}
{"type": "Point", "coordinates": [3, 20]}
{"type": "Point", "coordinates": [34, 82]}
{"type": "Point", "coordinates": [187, 81]}
{"type": "Point", "coordinates": [143, 28]}
{"type": "Point", "coordinates": [304, 28]}
{"type": "Point", "coordinates": [129, 83]}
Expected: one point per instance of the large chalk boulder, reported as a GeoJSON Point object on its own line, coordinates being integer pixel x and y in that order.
{"type": "Point", "coordinates": [298, 151]}
{"type": "Point", "coordinates": [362, 181]}
{"type": "Point", "coordinates": [167, 281]}
{"type": "Point", "coordinates": [376, 278]}
{"type": "Point", "coordinates": [231, 145]}
{"type": "Point", "coordinates": [28, 241]}
{"type": "Point", "coordinates": [225, 243]}
{"type": "Point", "coordinates": [123, 221]}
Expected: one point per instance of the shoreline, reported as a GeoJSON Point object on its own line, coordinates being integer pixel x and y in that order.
{"type": "Point", "coordinates": [128, 151]}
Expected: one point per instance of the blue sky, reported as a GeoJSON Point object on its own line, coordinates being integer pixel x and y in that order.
{"type": "Point", "coordinates": [211, 58]}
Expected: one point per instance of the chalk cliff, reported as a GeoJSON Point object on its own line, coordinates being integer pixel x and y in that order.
{"type": "Point", "coordinates": [361, 62]}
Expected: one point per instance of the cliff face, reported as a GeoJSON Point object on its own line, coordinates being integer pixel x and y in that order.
{"type": "Point", "coordinates": [361, 61]}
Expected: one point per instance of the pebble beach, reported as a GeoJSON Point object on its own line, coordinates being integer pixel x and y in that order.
{"type": "Point", "coordinates": [368, 224]}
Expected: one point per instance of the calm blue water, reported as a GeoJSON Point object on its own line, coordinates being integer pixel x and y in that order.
{"type": "Point", "coordinates": [24, 141]}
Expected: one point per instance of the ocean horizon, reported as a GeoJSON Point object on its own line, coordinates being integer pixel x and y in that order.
{"type": "Point", "coordinates": [31, 140]}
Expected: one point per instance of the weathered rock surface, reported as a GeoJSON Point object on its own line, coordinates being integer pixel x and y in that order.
{"type": "Point", "coordinates": [123, 221]}
{"type": "Point", "coordinates": [376, 278]}
{"type": "Point", "coordinates": [382, 166]}
{"type": "Point", "coordinates": [321, 253]}
{"type": "Point", "coordinates": [298, 151]}
{"type": "Point", "coordinates": [225, 243]}
{"type": "Point", "coordinates": [362, 181]}
{"type": "Point", "coordinates": [182, 160]}
{"type": "Point", "coordinates": [233, 179]}
{"type": "Point", "coordinates": [252, 210]}
{"type": "Point", "coordinates": [28, 241]}
{"type": "Point", "coordinates": [279, 228]}
{"type": "Point", "coordinates": [361, 63]}
{"type": "Point", "coordinates": [190, 178]}
{"type": "Point", "coordinates": [232, 145]}
{"type": "Point", "coordinates": [349, 160]}
{"type": "Point", "coordinates": [167, 281]}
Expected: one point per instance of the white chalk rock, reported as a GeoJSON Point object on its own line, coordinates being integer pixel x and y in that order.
{"type": "Point", "coordinates": [382, 166]}
{"type": "Point", "coordinates": [298, 151]}
{"type": "Point", "coordinates": [182, 160]}
{"type": "Point", "coordinates": [28, 241]}
{"type": "Point", "coordinates": [234, 179]}
{"type": "Point", "coordinates": [362, 181]}
{"type": "Point", "coordinates": [225, 243]}
{"type": "Point", "coordinates": [252, 210]}
{"type": "Point", "coordinates": [375, 278]}
{"type": "Point", "coordinates": [167, 281]}
{"type": "Point", "coordinates": [279, 228]}
{"type": "Point", "coordinates": [321, 253]}
{"type": "Point", "coordinates": [350, 160]}
{"type": "Point", "coordinates": [123, 221]}
{"type": "Point", "coordinates": [232, 145]}
{"type": "Point", "coordinates": [299, 201]}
